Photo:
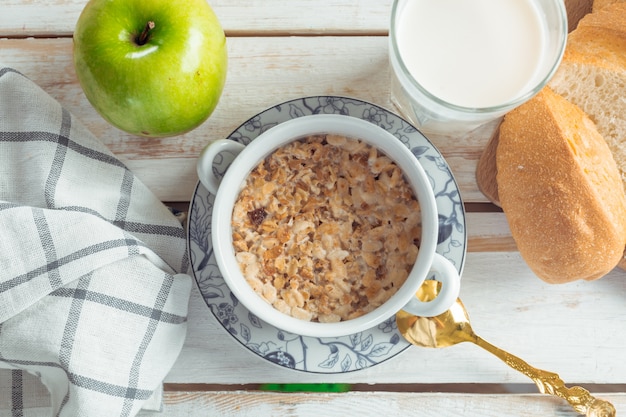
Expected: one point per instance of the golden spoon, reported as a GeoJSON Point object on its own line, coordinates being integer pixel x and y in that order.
{"type": "Point", "coordinates": [453, 327]}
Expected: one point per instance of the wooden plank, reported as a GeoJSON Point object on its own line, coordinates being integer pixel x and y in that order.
{"type": "Point", "coordinates": [238, 17]}
{"type": "Point", "coordinates": [252, 404]}
{"type": "Point", "coordinates": [262, 72]}
{"type": "Point", "coordinates": [238, 403]}
{"type": "Point", "coordinates": [18, 18]}
{"type": "Point", "coordinates": [572, 329]}
{"type": "Point", "coordinates": [489, 232]}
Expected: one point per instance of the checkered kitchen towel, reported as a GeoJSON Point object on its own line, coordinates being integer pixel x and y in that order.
{"type": "Point", "coordinates": [91, 298]}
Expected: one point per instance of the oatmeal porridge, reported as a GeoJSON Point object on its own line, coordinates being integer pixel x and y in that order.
{"type": "Point", "coordinates": [326, 228]}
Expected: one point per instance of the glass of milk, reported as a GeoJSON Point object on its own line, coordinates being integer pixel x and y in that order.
{"type": "Point", "coordinates": [457, 64]}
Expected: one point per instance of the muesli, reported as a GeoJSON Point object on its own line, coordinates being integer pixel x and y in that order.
{"type": "Point", "coordinates": [326, 228]}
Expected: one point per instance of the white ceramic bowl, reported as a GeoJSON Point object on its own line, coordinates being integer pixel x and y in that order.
{"type": "Point", "coordinates": [227, 189]}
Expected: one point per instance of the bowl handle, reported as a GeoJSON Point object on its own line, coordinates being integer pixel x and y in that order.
{"type": "Point", "coordinates": [451, 285]}
{"type": "Point", "coordinates": [206, 161]}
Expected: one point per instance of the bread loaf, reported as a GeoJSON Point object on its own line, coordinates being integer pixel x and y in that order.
{"type": "Point", "coordinates": [600, 4]}
{"type": "Point", "coordinates": [592, 74]}
{"type": "Point", "coordinates": [561, 191]}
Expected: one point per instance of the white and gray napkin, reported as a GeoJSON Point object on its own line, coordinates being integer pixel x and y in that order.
{"type": "Point", "coordinates": [92, 299]}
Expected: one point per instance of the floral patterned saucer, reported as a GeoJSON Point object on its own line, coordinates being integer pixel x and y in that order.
{"type": "Point", "coordinates": [309, 354]}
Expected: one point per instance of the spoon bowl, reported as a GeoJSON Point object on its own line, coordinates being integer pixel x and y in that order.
{"type": "Point", "coordinates": [453, 327]}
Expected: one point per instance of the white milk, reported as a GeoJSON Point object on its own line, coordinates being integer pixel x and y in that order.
{"type": "Point", "coordinates": [472, 53]}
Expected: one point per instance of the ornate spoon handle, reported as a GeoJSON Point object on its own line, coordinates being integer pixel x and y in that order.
{"type": "Point", "coordinates": [550, 383]}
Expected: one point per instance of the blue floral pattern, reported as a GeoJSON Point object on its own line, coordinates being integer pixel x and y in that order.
{"type": "Point", "coordinates": [309, 354]}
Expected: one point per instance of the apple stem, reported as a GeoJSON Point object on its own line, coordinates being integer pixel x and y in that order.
{"type": "Point", "coordinates": [143, 37]}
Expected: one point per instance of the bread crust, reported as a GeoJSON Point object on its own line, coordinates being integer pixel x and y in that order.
{"type": "Point", "coordinates": [601, 4]}
{"type": "Point", "coordinates": [561, 191]}
{"type": "Point", "coordinates": [600, 37]}
{"type": "Point", "coordinates": [592, 74]}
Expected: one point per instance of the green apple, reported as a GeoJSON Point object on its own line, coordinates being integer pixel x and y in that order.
{"type": "Point", "coordinates": [151, 67]}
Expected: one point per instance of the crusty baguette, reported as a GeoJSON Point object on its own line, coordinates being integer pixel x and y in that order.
{"type": "Point", "coordinates": [600, 4]}
{"type": "Point", "coordinates": [592, 74]}
{"type": "Point", "coordinates": [561, 191]}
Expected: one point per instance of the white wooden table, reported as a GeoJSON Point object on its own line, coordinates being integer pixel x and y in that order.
{"type": "Point", "coordinates": [285, 49]}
